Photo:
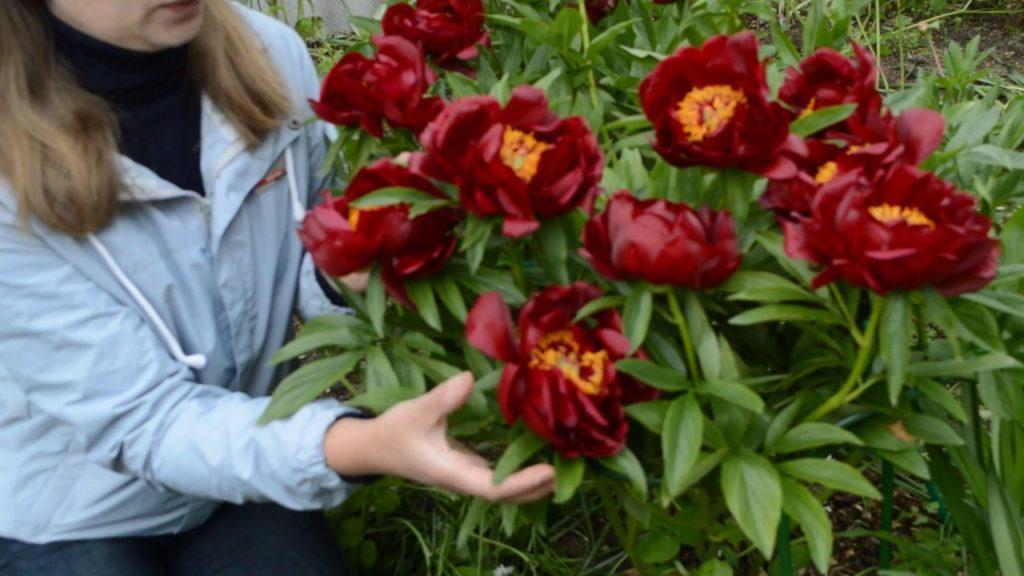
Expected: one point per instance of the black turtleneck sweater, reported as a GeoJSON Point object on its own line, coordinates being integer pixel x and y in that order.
{"type": "Point", "coordinates": [156, 104]}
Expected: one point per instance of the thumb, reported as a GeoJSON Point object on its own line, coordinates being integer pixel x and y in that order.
{"type": "Point", "coordinates": [450, 395]}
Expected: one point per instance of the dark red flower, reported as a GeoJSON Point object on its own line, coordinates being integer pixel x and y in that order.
{"type": "Point", "coordinates": [827, 78]}
{"type": "Point", "coordinates": [661, 242]}
{"type": "Point", "coordinates": [343, 239]}
{"type": "Point", "coordinates": [710, 106]}
{"type": "Point", "coordinates": [448, 30]}
{"type": "Point", "coordinates": [822, 162]}
{"type": "Point", "coordinates": [520, 162]}
{"type": "Point", "coordinates": [904, 231]}
{"type": "Point", "coordinates": [598, 9]}
{"type": "Point", "coordinates": [873, 146]}
{"type": "Point", "coordinates": [559, 376]}
{"type": "Point", "coordinates": [392, 86]}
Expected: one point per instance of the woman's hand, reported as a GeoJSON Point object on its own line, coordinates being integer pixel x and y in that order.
{"type": "Point", "coordinates": [410, 441]}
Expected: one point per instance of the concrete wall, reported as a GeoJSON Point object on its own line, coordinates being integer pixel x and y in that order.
{"type": "Point", "coordinates": [334, 12]}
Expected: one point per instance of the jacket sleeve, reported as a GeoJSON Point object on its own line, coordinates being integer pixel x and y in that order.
{"type": "Point", "coordinates": [77, 355]}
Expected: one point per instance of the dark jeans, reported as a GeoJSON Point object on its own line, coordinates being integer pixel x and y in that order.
{"type": "Point", "coordinates": [250, 540]}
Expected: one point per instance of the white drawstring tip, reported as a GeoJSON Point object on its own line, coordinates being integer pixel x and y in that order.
{"type": "Point", "coordinates": [194, 361]}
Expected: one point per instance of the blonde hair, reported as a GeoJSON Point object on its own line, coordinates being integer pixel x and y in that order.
{"type": "Point", "coordinates": [58, 143]}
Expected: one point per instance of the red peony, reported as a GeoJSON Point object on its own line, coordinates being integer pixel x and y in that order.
{"type": "Point", "coordinates": [343, 239]}
{"type": "Point", "coordinates": [873, 145]}
{"type": "Point", "coordinates": [392, 86]}
{"type": "Point", "coordinates": [598, 9]}
{"type": "Point", "coordinates": [661, 242]}
{"type": "Point", "coordinates": [520, 162]}
{"type": "Point", "coordinates": [448, 30]}
{"type": "Point", "coordinates": [827, 78]}
{"type": "Point", "coordinates": [559, 376]}
{"type": "Point", "coordinates": [710, 107]}
{"type": "Point", "coordinates": [904, 231]}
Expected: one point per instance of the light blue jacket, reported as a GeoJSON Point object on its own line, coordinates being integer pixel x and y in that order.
{"type": "Point", "coordinates": [134, 362]}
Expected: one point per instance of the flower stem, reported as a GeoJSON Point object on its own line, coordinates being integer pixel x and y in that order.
{"type": "Point", "coordinates": [845, 310]}
{"type": "Point", "coordinates": [517, 266]}
{"type": "Point", "coordinates": [684, 333]}
{"type": "Point", "coordinates": [841, 396]}
{"type": "Point", "coordinates": [585, 29]}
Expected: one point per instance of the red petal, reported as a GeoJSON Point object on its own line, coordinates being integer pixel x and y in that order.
{"type": "Point", "coordinates": [489, 327]}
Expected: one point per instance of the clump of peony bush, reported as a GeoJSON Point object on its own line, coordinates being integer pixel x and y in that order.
{"type": "Point", "coordinates": [694, 278]}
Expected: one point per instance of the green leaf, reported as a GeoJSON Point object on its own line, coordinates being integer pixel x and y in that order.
{"type": "Point", "coordinates": [519, 451]}
{"type": "Point", "coordinates": [343, 338]}
{"type": "Point", "coordinates": [306, 384]}
{"type": "Point", "coordinates": [785, 49]}
{"type": "Point", "coordinates": [655, 376]}
{"type": "Point", "coordinates": [626, 464]}
{"type": "Point", "coordinates": [568, 475]}
{"type": "Point", "coordinates": [1006, 302]}
{"type": "Point", "coordinates": [508, 518]}
{"type": "Point", "coordinates": [475, 237]}
{"type": "Point", "coordinates": [992, 155]}
{"type": "Point", "coordinates": [376, 301]}
{"type": "Point", "coordinates": [938, 311]}
{"type": "Point", "coordinates": [650, 415]}
{"type": "Point", "coordinates": [820, 119]}
{"type": "Point", "coordinates": [548, 79]}
{"type": "Point", "coordinates": [422, 296]}
{"type": "Point", "coordinates": [554, 251]}
{"type": "Point", "coordinates": [766, 287]}
{"type": "Point", "coordinates": [909, 460]}
{"type": "Point", "coordinates": [733, 393]}
{"type": "Point", "coordinates": [681, 437]}
{"type": "Point", "coordinates": [448, 291]}
{"type": "Point", "coordinates": [754, 497]}
{"type": "Point", "coordinates": [599, 305]}
{"type": "Point", "coordinates": [657, 547]}
{"type": "Point", "coordinates": [944, 398]}
{"type": "Point", "coordinates": [813, 435]}
{"type": "Point", "coordinates": [474, 516]}
{"type": "Point", "coordinates": [381, 398]}
{"type": "Point", "coordinates": [784, 313]}
{"type": "Point", "coordinates": [709, 352]}
{"type": "Point", "coordinates": [932, 430]}
{"type": "Point", "coordinates": [781, 423]}
{"type": "Point", "coordinates": [379, 371]}
{"type": "Point", "coordinates": [800, 505]}
{"type": "Point", "coordinates": [894, 342]}
{"type": "Point", "coordinates": [706, 462]}
{"type": "Point", "coordinates": [462, 85]}
{"type": "Point", "coordinates": [830, 474]}
{"type": "Point", "coordinates": [1006, 529]}
{"type": "Point", "coordinates": [966, 367]}
{"type": "Point", "coordinates": [603, 40]}
{"type": "Point", "coordinates": [636, 317]}
{"type": "Point", "coordinates": [714, 568]}
{"type": "Point", "coordinates": [393, 195]}
{"type": "Point", "coordinates": [641, 54]}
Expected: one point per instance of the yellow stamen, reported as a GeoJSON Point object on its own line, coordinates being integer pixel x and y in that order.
{"type": "Point", "coordinates": [560, 351]}
{"type": "Point", "coordinates": [521, 152]}
{"type": "Point", "coordinates": [888, 213]}
{"type": "Point", "coordinates": [355, 213]}
{"type": "Point", "coordinates": [704, 111]}
{"type": "Point", "coordinates": [854, 148]}
{"type": "Point", "coordinates": [809, 109]}
{"type": "Point", "coordinates": [826, 173]}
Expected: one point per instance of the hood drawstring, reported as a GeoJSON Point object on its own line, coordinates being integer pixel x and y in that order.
{"type": "Point", "coordinates": [194, 361]}
{"type": "Point", "coordinates": [298, 206]}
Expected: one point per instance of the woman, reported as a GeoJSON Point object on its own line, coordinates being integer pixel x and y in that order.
{"type": "Point", "coordinates": [155, 158]}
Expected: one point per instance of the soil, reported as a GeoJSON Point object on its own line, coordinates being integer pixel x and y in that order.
{"type": "Point", "coordinates": [923, 50]}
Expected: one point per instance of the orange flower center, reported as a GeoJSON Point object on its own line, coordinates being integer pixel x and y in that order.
{"type": "Point", "coordinates": [561, 351]}
{"type": "Point", "coordinates": [826, 173]}
{"type": "Point", "coordinates": [521, 152]}
{"type": "Point", "coordinates": [888, 213]}
{"type": "Point", "coordinates": [705, 110]}
{"type": "Point", "coordinates": [355, 213]}
{"type": "Point", "coordinates": [807, 111]}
